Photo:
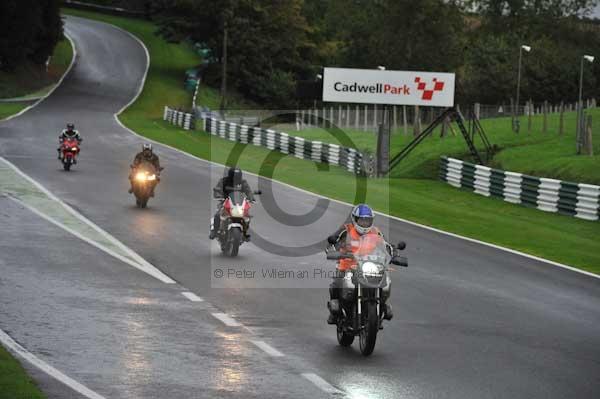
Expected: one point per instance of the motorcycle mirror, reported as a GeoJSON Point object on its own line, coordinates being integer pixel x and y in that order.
{"type": "Point", "coordinates": [332, 240]}
{"type": "Point", "coordinates": [401, 245]}
{"type": "Point", "coordinates": [399, 261]}
{"type": "Point", "coordinates": [257, 192]}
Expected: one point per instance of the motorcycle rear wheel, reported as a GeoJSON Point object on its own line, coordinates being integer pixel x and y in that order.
{"type": "Point", "coordinates": [368, 334]}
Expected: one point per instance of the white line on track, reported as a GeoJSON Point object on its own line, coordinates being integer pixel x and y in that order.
{"type": "Point", "coordinates": [191, 296]}
{"type": "Point", "coordinates": [151, 271]}
{"type": "Point", "coordinates": [18, 350]}
{"type": "Point", "coordinates": [227, 320]}
{"type": "Point", "coordinates": [473, 240]}
{"type": "Point", "coordinates": [321, 383]}
{"type": "Point", "coordinates": [267, 348]}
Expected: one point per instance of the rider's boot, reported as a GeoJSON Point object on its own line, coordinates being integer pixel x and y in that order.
{"type": "Point", "coordinates": [388, 314]}
{"type": "Point", "coordinates": [213, 230]}
{"type": "Point", "coordinates": [334, 309]}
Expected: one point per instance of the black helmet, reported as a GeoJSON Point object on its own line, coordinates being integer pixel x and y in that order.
{"type": "Point", "coordinates": [70, 126]}
{"type": "Point", "coordinates": [147, 149]}
{"type": "Point", "coordinates": [234, 174]}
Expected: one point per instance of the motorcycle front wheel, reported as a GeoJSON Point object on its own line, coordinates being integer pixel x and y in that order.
{"type": "Point", "coordinates": [235, 240]}
{"type": "Point", "coordinates": [368, 334]}
{"type": "Point", "coordinates": [67, 165]}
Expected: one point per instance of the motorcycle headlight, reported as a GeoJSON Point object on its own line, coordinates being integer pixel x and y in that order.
{"type": "Point", "coordinates": [74, 149]}
{"type": "Point", "coordinates": [237, 212]}
{"type": "Point", "coordinates": [151, 177]}
{"type": "Point", "coordinates": [371, 269]}
{"type": "Point", "coordinates": [140, 176]}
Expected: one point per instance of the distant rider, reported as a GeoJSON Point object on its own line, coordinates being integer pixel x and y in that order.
{"type": "Point", "coordinates": [146, 155]}
{"type": "Point", "coordinates": [233, 181]}
{"type": "Point", "coordinates": [347, 238]}
{"type": "Point", "coordinates": [68, 134]}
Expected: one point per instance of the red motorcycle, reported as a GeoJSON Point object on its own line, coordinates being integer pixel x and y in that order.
{"type": "Point", "coordinates": [69, 149]}
{"type": "Point", "coordinates": [235, 222]}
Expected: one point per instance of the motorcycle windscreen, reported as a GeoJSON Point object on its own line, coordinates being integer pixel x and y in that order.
{"type": "Point", "coordinates": [372, 247]}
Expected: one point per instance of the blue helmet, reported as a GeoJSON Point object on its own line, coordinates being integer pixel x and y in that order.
{"type": "Point", "coordinates": [362, 218]}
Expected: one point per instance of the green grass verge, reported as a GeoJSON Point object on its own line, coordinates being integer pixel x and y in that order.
{"type": "Point", "coordinates": [14, 382]}
{"type": "Point", "coordinates": [8, 109]}
{"type": "Point", "coordinates": [433, 203]}
{"type": "Point", "coordinates": [31, 82]}
{"type": "Point", "coordinates": [33, 79]}
{"type": "Point", "coordinates": [535, 153]}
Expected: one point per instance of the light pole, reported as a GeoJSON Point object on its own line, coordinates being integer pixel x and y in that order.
{"type": "Point", "coordinates": [382, 161]}
{"type": "Point", "coordinates": [318, 78]}
{"type": "Point", "coordinates": [579, 131]}
{"type": "Point", "coordinates": [516, 114]}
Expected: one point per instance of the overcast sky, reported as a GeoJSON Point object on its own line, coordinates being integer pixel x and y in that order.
{"type": "Point", "coordinates": [597, 12]}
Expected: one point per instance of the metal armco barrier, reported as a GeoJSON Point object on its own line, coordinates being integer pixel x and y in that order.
{"type": "Point", "coordinates": [179, 118]}
{"type": "Point", "coordinates": [83, 5]}
{"type": "Point", "coordinates": [348, 158]}
{"type": "Point", "coordinates": [550, 195]}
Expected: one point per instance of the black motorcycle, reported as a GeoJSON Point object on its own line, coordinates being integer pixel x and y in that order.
{"type": "Point", "coordinates": [364, 290]}
{"type": "Point", "coordinates": [144, 180]}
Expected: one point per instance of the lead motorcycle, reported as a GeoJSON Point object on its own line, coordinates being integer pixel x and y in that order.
{"type": "Point", "coordinates": [364, 290]}
{"type": "Point", "coordinates": [235, 221]}
{"type": "Point", "coordinates": [69, 149]}
{"type": "Point", "coordinates": [144, 180]}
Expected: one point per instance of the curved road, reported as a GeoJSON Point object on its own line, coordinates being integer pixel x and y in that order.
{"type": "Point", "coordinates": [470, 321]}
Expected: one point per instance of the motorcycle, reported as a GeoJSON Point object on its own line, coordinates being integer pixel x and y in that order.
{"type": "Point", "coordinates": [69, 149]}
{"type": "Point", "coordinates": [364, 290]}
{"type": "Point", "coordinates": [235, 221]}
{"type": "Point", "coordinates": [144, 180]}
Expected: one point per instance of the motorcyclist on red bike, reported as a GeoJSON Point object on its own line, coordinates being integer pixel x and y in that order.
{"type": "Point", "coordinates": [68, 134]}
{"type": "Point", "coordinates": [347, 238]}
{"type": "Point", "coordinates": [233, 180]}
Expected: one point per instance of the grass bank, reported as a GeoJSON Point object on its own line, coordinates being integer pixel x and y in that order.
{"type": "Point", "coordinates": [429, 202]}
{"type": "Point", "coordinates": [10, 108]}
{"type": "Point", "coordinates": [14, 382]}
{"type": "Point", "coordinates": [541, 154]}
{"type": "Point", "coordinates": [31, 82]}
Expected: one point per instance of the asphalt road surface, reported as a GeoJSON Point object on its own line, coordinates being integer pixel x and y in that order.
{"type": "Point", "coordinates": [470, 321]}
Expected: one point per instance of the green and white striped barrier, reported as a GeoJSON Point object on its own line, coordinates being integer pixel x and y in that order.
{"type": "Point", "coordinates": [179, 118]}
{"type": "Point", "coordinates": [348, 158]}
{"type": "Point", "coordinates": [550, 195]}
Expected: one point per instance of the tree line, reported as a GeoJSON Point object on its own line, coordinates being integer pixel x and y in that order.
{"type": "Point", "coordinates": [273, 44]}
{"type": "Point", "coordinates": [29, 31]}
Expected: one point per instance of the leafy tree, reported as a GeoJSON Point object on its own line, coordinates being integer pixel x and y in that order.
{"type": "Point", "coordinates": [266, 41]}
{"type": "Point", "coordinates": [555, 31]}
{"type": "Point", "coordinates": [49, 32]}
{"type": "Point", "coordinates": [29, 31]}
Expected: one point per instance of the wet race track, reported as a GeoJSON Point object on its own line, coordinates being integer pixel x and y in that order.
{"type": "Point", "coordinates": [471, 321]}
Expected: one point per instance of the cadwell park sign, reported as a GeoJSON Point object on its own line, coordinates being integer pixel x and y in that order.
{"type": "Point", "coordinates": [371, 86]}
